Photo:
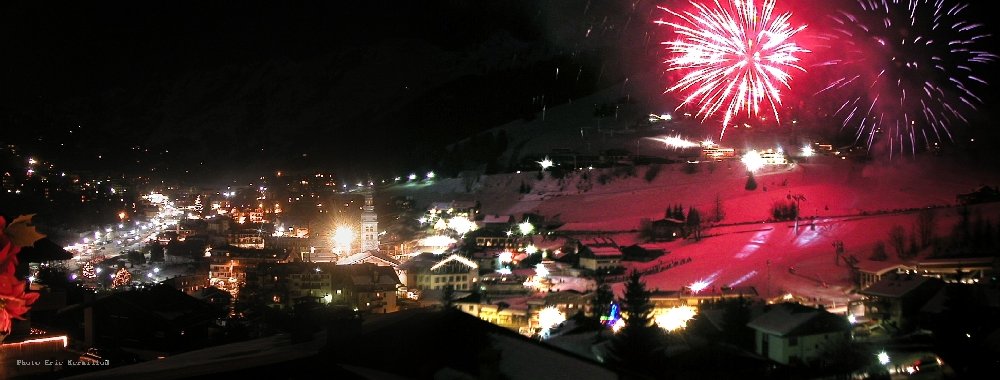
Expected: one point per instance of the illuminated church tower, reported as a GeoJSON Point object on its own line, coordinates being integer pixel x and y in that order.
{"type": "Point", "coordinates": [369, 223]}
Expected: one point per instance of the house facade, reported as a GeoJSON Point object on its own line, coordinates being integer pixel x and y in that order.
{"type": "Point", "coordinates": [791, 333]}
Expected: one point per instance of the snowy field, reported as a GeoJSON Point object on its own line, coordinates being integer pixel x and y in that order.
{"type": "Point", "coordinates": [856, 203]}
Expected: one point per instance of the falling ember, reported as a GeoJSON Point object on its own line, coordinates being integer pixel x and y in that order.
{"type": "Point", "coordinates": [675, 318]}
{"type": "Point", "coordinates": [733, 58]}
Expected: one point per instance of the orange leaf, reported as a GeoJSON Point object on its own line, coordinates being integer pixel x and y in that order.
{"type": "Point", "coordinates": [21, 232]}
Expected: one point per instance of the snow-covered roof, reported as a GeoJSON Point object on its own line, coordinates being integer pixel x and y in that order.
{"type": "Point", "coordinates": [790, 319]}
{"type": "Point", "coordinates": [370, 257]}
{"type": "Point", "coordinates": [439, 206]}
{"type": "Point", "coordinates": [896, 285]}
{"type": "Point", "coordinates": [605, 251]}
{"type": "Point", "coordinates": [497, 219]}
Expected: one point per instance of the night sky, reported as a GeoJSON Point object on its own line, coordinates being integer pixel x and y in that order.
{"type": "Point", "coordinates": [218, 90]}
{"type": "Point", "coordinates": [200, 90]}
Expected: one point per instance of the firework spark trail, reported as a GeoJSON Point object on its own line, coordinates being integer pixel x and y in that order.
{"type": "Point", "coordinates": [927, 54]}
{"type": "Point", "coordinates": [734, 58]}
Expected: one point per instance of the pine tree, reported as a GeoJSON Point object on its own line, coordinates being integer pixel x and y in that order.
{"type": "Point", "coordinates": [603, 296]}
{"type": "Point", "coordinates": [694, 222]}
{"type": "Point", "coordinates": [640, 344]}
{"type": "Point", "coordinates": [751, 183]}
{"type": "Point", "coordinates": [718, 213]}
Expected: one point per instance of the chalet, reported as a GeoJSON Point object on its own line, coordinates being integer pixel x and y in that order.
{"type": "Point", "coordinates": [791, 333]}
{"type": "Point", "coordinates": [375, 258]}
{"type": "Point", "coordinates": [428, 272]}
{"type": "Point", "coordinates": [494, 221]}
{"type": "Point", "coordinates": [600, 257]}
{"type": "Point", "coordinates": [374, 287]}
{"type": "Point", "coordinates": [667, 229]}
{"type": "Point", "coordinates": [870, 272]}
{"type": "Point", "coordinates": [896, 299]}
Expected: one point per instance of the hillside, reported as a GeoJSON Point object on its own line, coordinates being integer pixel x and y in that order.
{"type": "Point", "coordinates": [853, 202]}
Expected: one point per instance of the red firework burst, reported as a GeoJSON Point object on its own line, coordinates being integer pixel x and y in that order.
{"type": "Point", "coordinates": [733, 57]}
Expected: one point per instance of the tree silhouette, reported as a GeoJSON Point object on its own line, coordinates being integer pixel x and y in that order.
{"type": "Point", "coordinates": [718, 212]}
{"type": "Point", "coordinates": [751, 183]}
{"type": "Point", "coordinates": [640, 344]}
{"type": "Point", "coordinates": [694, 222]}
{"type": "Point", "coordinates": [897, 239]}
{"type": "Point", "coordinates": [926, 226]}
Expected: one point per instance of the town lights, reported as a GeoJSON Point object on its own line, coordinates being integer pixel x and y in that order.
{"type": "Point", "coordinates": [430, 175]}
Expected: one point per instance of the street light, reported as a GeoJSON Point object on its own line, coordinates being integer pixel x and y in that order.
{"type": "Point", "coordinates": [883, 358]}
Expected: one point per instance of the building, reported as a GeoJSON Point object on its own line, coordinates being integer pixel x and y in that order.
{"type": "Point", "coordinates": [667, 229]}
{"type": "Point", "coordinates": [497, 222]}
{"type": "Point", "coordinates": [155, 322]}
{"type": "Point", "coordinates": [870, 272]}
{"type": "Point", "coordinates": [228, 267]}
{"type": "Point", "coordinates": [664, 299]}
{"type": "Point", "coordinates": [791, 333]}
{"type": "Point", "coordinates": [368, 287]}
{"type": "Point", "coordinates": [500, 285]}
{"type": "Point", "coordinates": [962, 270]}
{"type": "Point", "coordinates": [600, 257]}
{"type": "Point", "coordinates": [716, 152]}
{"type": "Point", "coordinates": [375, 288]}
{"type": "Point", "coordinates": [188, 283]}
{"type": "Point", "coordinates": [772, 157]}
{"type": "Point", "coordinates": [369, 223]}
{"type": "Point", "coordinates": [427, 273]}
{"type": "Point", "coordinates": [896, 299]}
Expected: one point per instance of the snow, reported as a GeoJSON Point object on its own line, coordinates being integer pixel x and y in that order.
{"type": "Point", "coordinates": [845, 200]}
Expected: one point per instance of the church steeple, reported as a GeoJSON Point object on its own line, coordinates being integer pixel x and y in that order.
{"type": "Point", "coordinates": [369, 223]}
